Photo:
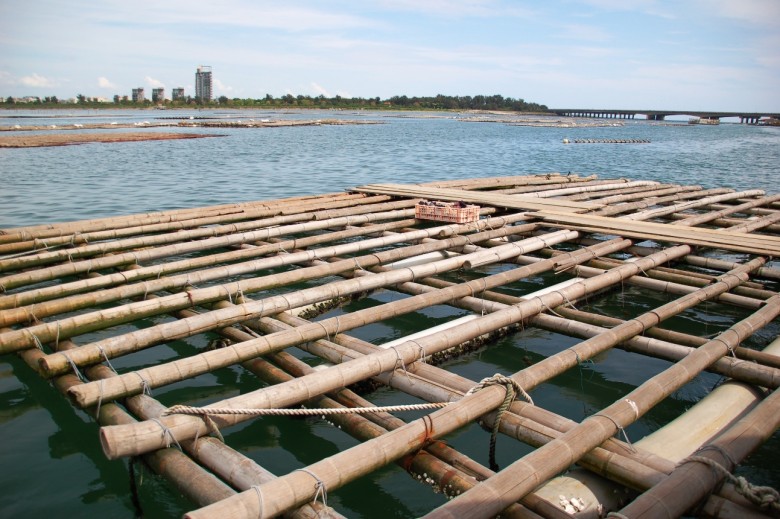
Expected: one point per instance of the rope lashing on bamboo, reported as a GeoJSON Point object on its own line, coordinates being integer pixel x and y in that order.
{"type": "Point", "coordinates": [167, 434]}
{"type": "Point", "coordinates": [512, 390]}
{"type": "Point", "coordinates": [211, 411]}
{"type": "Point", "coordinates": [319, 487]}
{"type": "Point", "coordinates": [766, 498]}
{"type": "Point", "coordinates": [620, 428]}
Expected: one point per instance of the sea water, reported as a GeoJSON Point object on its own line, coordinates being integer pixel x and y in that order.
{"type": "Point", "coordinates": [51, 459]}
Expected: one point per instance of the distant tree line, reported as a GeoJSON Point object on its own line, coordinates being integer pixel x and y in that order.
{"type": "Point", "coordinates": [439, 102]}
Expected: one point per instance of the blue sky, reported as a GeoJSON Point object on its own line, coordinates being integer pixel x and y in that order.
{"type": "Point", "coordinates": [651, 54]}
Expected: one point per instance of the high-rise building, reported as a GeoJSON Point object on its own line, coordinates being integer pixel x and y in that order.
{"type": "Point", "coordinates": [138, 95]}
{"type": "Point", "coordinates": [203, 83]}
{"type": "Point", "coordinates": [177, 93]}
{"type": "Point", "coordinates": [158, 95]}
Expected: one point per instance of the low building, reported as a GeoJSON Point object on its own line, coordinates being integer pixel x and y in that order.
{"type": "Point", "coordinates": [177, 93]}
{"type": "Point", "coordinates": [138, 95]}
{"type": "Point", "coordinates": [158, 95]}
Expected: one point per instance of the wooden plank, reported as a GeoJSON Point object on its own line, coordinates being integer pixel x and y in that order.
{"type": "Point", "coordinates": [724, 239]}
{"type": "Point", "coordinates": [495, 199]}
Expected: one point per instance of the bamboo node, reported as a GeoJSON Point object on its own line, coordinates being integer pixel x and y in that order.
{"type": "Point", "coordinates": [762, 496]}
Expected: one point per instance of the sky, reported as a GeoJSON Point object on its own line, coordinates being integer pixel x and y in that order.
{"type": "Point", "coordinates": [719, 55]}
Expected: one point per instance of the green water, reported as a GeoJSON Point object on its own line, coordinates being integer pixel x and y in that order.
{"type": "Point", "coordinates": [51, 459]}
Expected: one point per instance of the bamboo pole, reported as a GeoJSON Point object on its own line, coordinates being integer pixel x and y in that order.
{"type": "Point", "coordinates": [499, 182]}
{"type": "Point", "coordinates": [676, 208]}
{"type": "Point", "coordinates": [682, 194]}
{"type": "Point", "coordinates": [119, 442]}
{"type": "Point", "coordinates": [740, 242]}
{"type": "Point", "coordinates": [519, 202]}
{"type": "Point", "coordinates": [190, 479]}
{"type": "Point", "coordinates": [164, 374]}
{"type": "Point", "coordinates": [591, 188]}
{"type": "Point", "coordinates": [46, 332]}
{"type": "Point", "coordinates": [523, 475]}
{"type": "Point", "coordinates": [694, 480]}
{"type": "Point", "coordinates": [125, 232]}
{"type": "Point", "coordinates": [202, 234]}
{"type": "Point", "coordinates": [625, 195]}
{"type": "Point", "coordinates": [331, 472]}
{"type": "Point", "coordinates": [714, 215]}
{"type": "Point", "coordinates": [767, 375]}
{"type": "Point", "coordinates": [135, 257]}
{"type": "Point", "coordinates": [529, 188]}
{"type": "Point", "coordinates": [37, 304]}
{"type": "Point", "coordinates": [113, 222]}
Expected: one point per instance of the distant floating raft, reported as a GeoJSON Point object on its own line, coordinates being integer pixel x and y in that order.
{"type": "Point", "coordinates": [606, 141]}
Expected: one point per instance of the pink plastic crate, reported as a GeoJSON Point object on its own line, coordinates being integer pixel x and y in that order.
{"type": "Point", "coordinates": [451, 212]}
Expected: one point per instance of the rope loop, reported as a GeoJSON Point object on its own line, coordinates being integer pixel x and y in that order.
{"type": "Point", "coordinates": [766, 498]}
{"type": "Point", "coordinates": [167, 434]}
{"type": "Point", "coordinates": [512, 389]}
{"type": "Point", "coordinates": [319, 488]}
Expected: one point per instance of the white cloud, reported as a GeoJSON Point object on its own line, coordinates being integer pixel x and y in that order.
{"type": "Point", "coordinates": [104, 82]}
{"type": "Point", "coordinates": [584, 32]}
{"type": "Point", "coordinates": [154, 83]}
{"type": "Point", "coordinates": [762, 12]}
{"type": "Point", "coordinates": [319, 89]}
{"type": "Point", "coordinates": [37, 81]}
{"type": "Point", "coordinates": [221, 88]}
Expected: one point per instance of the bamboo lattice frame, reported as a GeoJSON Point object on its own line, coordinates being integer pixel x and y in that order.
{"type": "Point", "coordinates": [62, 283]}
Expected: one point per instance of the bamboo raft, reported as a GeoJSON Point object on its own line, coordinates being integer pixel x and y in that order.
{"type": "Point", "coordinates": [78, 296]}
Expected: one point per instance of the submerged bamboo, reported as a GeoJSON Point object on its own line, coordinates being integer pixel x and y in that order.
{"type": "Point", "coordinates": [695, 478]}
{"type": "Point", "coordinates": [522, 476]}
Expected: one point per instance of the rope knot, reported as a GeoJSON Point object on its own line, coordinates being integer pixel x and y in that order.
{"type": "Point", "coordinates": [512, 390]}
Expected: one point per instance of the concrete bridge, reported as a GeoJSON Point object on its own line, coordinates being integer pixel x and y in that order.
{"type": "Point", "coordinates": [660, 115]}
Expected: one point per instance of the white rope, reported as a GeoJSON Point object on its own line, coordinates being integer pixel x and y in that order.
{"type": "Point", "coordinates": [205, 411]}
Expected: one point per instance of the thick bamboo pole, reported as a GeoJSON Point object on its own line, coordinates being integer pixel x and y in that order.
{"type": "Point", "coordinates": [200, 234]}
{"type": "Point", "coordinates": [491, 198]}
{"type": "Point", "coordinates": [125, 232]}
{"type": "Point", "coordinates": [46, 332]}
{"type": "Point", "coordinates": [100, 224]}
{"type": "Point", "coordinates": [499, 182]}
{"type": "Point", "coordinates": [676, 208]}
{"type": "Point", "coordinates": [643, 193]}
{"type": "Point", "coordinates": [682, 194]}
{"type": "Point", "coordinates": [42, 306]}
{"type": "Point", "coordinates": [767, 375]}
{"type": "Point", "coordinates": [164, 374]}
{"type": "Point", "coordinates": [290, 489]}
{"type": "Point", "coordinates": [522, 476]}
{"type": "Point", "coordinates": [127, 441]}
{"type": "Point", "coordinates": [188, 477]}
{"type": "Point", "coordinates": [550, 186]}
{"type": "Point", "coordinates": [714, 215]}
{"type": "Point", "coordinates": [694, 480]}
{"type": "Point", "coordinates": [136, 257]}
{"type": "Point", "coordinates": [591, 188]}
{"type": "Point", "coordinates": [740, 242]}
